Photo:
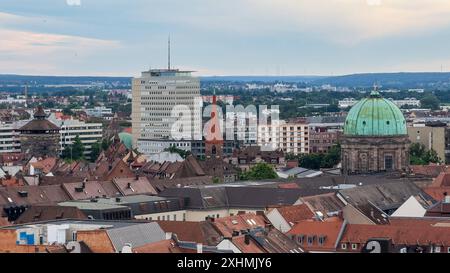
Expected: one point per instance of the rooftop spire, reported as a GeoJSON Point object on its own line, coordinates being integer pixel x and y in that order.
{"type": "Point", "coordinates": [168, 56]}
{"type": "Point", "coordinates": [375, 93]}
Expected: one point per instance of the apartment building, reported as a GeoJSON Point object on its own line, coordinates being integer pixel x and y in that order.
{"type": "Point", "coordinates": [289, 136]}
{"type": "Point", "coordinates": [9, 139]}
{"type": "Point", "coordinates": [433, 136]}
{"type": "Point", "coordinates": [89, 133]}
{"type": "Point", "coordinates": [155, 94]}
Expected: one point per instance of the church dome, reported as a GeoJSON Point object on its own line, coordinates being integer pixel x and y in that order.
{"type": "Point", "coordinates": [375, 116]}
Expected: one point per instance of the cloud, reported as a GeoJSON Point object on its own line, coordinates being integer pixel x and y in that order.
{"type": "Point", "coordinates": [28, 51]}
{"type": "Point", "coordinates": [341, 21]}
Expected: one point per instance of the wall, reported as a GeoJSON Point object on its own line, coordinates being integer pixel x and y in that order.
{"type": "Point", "coordinates": [164, 216]}
{"type": "Point", "coordinates": [431, 137]}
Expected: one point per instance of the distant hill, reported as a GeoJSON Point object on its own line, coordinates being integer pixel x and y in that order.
{"type": "Point", "coordinates": [389, 80]}
{"type": "Point", "coordinates": [266, 79]}
{"type": "Point", "coordinates": [386, 80]}
{"type": "Point", "coordinates": [56, 80]}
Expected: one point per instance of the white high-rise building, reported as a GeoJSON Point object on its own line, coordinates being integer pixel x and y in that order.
{"type": "Point", "coordinates": [155, 94]}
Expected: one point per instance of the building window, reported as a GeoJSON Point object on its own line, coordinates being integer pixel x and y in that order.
{"type": "Point", "coordinates": [437, 249]}
{"type": "Point", "coordinates": [174, 217]}
{"type": "Point", "coordinates": [354, 246]}
{"type": "Point", "coordinates": [388, 162]}
{"type": "Point", "coordinates": [344, 246]}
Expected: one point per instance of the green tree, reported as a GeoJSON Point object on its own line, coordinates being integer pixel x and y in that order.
{"type": "Point", "coordinates": [174, 150]}
{"type": "Point", "coordinates": [419, 155]}
{"type": "Point", "coordinates": [430, 101]}
{"type": "Point", "coordinates": [332, 158]}
{"type": "Point", "coordinates": [260, 171]}
{"type": "Point", "coordinates": [105, 144]}
{"type": "Point", "coordinates": [74, 151]}
{"type": "Point", "coordinates": [95, 151]}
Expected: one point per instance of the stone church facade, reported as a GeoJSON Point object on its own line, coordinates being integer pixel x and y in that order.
{"type": "Point", "coordinates": [375, 138]}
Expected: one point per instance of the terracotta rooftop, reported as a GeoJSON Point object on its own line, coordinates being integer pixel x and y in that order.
{"type": "Point", "coordinates": [429, 170]}
{"type": "Point", "coordinates": [198, 232]}
{"type": "Point", "coordinates": [165, 246]}
{"type": "Point", "coordinates": [317, 235]}
{"type": "Point", "coordinates": [400, 234]}
{"type": "Point", "coordinates": [296, 213]}
{"type": "Point", "coordinates": [227, 225]}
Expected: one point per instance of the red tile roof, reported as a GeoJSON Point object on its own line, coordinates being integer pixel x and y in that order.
{"type": "Point", "coordinates": [399, 234]}
{"type": "Point", "coordinates": [443, 180]}
{"type": "Point", "coordinates": [437, 192]}
{"type": "Point", "coordinates": [329, 229]}
{"type": "Point", "coordinates": [429, 170]}
{"type": "Point", "coordinates": [166, 246]}
{"type": "Point", "coordinates": [46, 165]}
{"type": "Point", "coordinates": [227, 225]}
{"type": "Point", "coordinates": [198, 232]}
{"type": "Point", "coordinates": [294, 214]}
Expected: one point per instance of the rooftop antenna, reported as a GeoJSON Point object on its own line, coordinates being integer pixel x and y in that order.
{"type": "Point", "coordinates": [168, 57]}
{"type": "Point", "coordinates": [26, 95]}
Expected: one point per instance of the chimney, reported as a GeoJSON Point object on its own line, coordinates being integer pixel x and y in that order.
{"type": "Point", "coordinates": [446, 198]}
{"type": "Point", "coordinates": [247, 239]}
{"type": "Point", "coordinates": [83, 185]}
{"type": "Point", "coordinates": [128, 185]}
{"type": "Point", "coordinates": [136, 177]}
{"type": "Point", "coordinates": [168, 235]}
{"type": "Point", "coordinates": [199, 248]}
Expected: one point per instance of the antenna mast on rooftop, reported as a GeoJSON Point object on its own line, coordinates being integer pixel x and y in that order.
{"type": "Point", "coordinates": [168, 57]}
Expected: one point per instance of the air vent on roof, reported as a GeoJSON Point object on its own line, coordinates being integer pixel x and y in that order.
{"type": "Point", "coordinates": [234, 222]}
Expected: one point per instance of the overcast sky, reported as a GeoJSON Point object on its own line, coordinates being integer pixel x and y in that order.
{"type": "Point", "coordinates": [224, 37]}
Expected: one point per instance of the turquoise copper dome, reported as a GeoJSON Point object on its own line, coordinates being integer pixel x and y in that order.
{"type": "Point", "coordinates": [375, 116]}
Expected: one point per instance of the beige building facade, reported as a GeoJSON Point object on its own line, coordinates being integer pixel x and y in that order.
{"type": "Point", "coordinates": [431, 137]}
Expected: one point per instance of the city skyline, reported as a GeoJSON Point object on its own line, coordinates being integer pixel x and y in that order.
{"type": "Point", "coordinates": [328, 37]}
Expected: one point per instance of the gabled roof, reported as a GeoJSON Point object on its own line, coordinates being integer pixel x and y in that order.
{"type": "Point", "coordinates": [86, 190]}
{"type": "Point", "coordinates": [136, 235]}
{"type": "Point", "coordinates": [32, 195]}
{"type": "Point", "coordinates": [236, 197]}
{"type": "Point", "coordinates": [329, 230]}
{"type": "Point", "coordinates": [296, 213]}
{"type": "Point", "coordinates": [133, 186]}
{"type": "Point", "coordinates": [384, 196]}
{"type": "Point", "coordinates": [249, 221]}
{"type": "Point", "coordinates": [327, 204]}
{"type": "Point", "coordinates": [44, 213]}
{"type": "Point", "coordinates": [198, 232]}
{"type": "Point", "coordinates": [399, 234]}
{"type": "Point", "coordinates": [428, 170]}
{"type": "Point", "coordinates": [164, 246]}
{"type": "Point", "coordinates": [162, 184]}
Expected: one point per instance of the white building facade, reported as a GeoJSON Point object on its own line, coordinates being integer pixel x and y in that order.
{"type": "Point", "coordinates": [9, 139]}
{"type": "Point", "coordinates": [155, 94]}
{"type": "Point", "coordinates": [291, 137]}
